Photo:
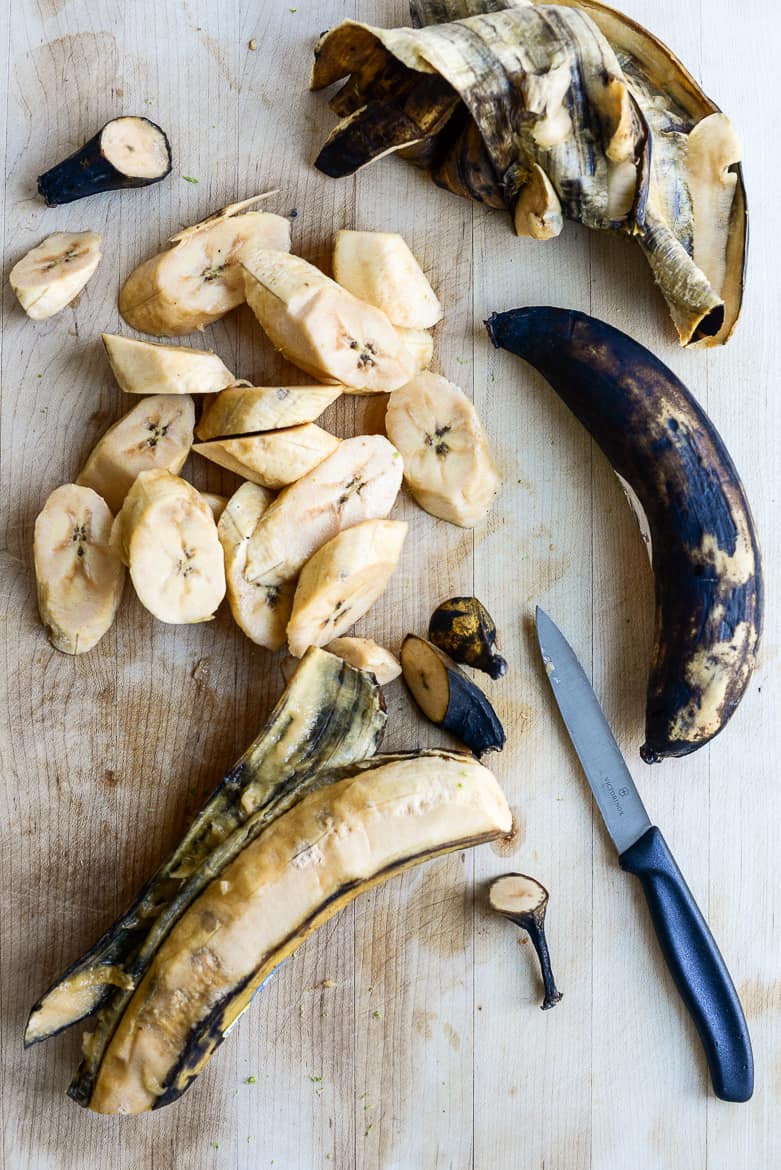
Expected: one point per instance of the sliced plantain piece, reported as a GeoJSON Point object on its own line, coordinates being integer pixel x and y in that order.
{"type": "Point", "coordinates": [272, 459]}
{"type": "Point", "coordinates": [420, 343]}
{"type": "Point", "coordinates": [167, 537]}
{"type": "Point", "coordinates": [51, 275]}
{"type": "Point", "coordinates": [448, 465]}
{"type": "Point", "coordinates": [360, 481]}
{"type": "Point", "coordinates": [321, 327]}
{"type": "Point", "coordinates": [448, 698]}
{"type": "Point", "coordinates": [156, 433]}
{"type": "Point", "coordinates": [245, 410]}
{"type": "Point", "coordinates": [145, 367]}
{"type": "Point", "coordinates": [329, 717]}
{"type": "Point", "coordinates": [216, 504]}
{"type": "Point", "coordinates": [463, 628]}
{"type": "Point", "coordinates": [198, 279]}
{"type": "Point", "coordinates": [342, 581]}
{"type": "Point", "coordinates": [79, 577]}
{"type": "Point", "coordinates": [379, 268]}
{"type": "Point", "coordinates": [127, 152]}
{"type": "Point", "coordinates": [365, 654]}
{"type": "Point", "coordinates": [339, 840]}
{"type": "Point", "coordinates": [261, 611]}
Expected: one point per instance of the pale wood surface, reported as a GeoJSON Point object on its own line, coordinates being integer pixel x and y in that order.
{"type": "Point", "coordinates": [429, 1051]}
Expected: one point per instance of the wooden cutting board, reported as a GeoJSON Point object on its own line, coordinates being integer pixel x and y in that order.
{"type": "Point", "coordinates": [407, 1034]}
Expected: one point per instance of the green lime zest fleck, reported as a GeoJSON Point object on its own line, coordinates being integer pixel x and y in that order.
{"type": "Point", "coordinates": [190, 179]}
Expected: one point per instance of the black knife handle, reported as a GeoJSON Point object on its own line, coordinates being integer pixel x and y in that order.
{"type": "Point", "coordinates": [696, 965]}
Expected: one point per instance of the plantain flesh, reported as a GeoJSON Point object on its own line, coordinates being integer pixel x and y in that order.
{"type": "Point", "coordinates": [329, 716]}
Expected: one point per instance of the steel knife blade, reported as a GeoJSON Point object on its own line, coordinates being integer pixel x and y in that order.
{"type": "Point", "coordinates": [689, 949]}
{"type": "Point", "coordinates": [611, 782]}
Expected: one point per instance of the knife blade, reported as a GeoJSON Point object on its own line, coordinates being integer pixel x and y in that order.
{"type": "Point", "coordinates": [689, 949]}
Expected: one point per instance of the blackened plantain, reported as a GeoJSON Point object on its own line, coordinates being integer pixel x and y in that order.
{"type": "Point", "coordinates": [705, 554]}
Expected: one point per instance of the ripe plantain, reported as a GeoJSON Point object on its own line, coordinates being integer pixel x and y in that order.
{"type": "Point", "coordinates": [50, 276]}
{"type": "Point", "coordinates": [705, 554]}
{"type": "Point", "coordinates": [79, 577]}
{"type": "Point", "coordinates": [198, 279]}
{"type": "Point", "coordinates": [156, 433]}
{"type": "Point", "coordinates": [448, 465]}
{"type": "Point", "coordinates": [365, 654]}
{"type": "Point", "coordinates": [342, 581]}
{"type": "Point", "coordinates": [360, 481]}
{"type": "Point", "coordinates": [378, 267]}
{"type": "Point", "coordinates": [244, 410]}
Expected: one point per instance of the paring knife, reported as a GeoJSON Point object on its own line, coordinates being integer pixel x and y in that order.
{"type": "Point", "coordinates": [687, 944]}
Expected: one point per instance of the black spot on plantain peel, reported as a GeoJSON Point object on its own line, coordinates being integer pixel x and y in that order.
{"type": "Point", "coordinates": [705, 554]}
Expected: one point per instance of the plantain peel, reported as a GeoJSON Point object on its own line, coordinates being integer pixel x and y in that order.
{"type": "Point", "coordinates": [551, 111]}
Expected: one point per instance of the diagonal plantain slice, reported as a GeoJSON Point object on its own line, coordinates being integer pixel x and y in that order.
{"type": "Point", "coordinates": [197, 279]}
{"type": "Point", "coordinates": [272, 459]}
{"type": "Point", "coordinates": [244, 410]}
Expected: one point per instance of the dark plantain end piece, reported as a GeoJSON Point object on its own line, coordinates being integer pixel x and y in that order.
{"type": "Point", "coordinates": [448, 698]}
{"type": "Point", "coordinates": [127, 152]}
{"type": "Point", "coordinates": [524, 901]}
{"type": "Point", "coordinates": [705, 553]}
{"type": "Point", "coordinates": [463, 628]}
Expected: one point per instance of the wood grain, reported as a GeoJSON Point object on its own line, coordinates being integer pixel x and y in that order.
{"type": "Point", "coordinates": [406, 1034]}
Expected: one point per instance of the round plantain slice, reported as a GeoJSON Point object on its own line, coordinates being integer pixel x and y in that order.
{"type": "Point", "coordinates": [50, 276]}
{"type": "Point", "coordinates": [79, 577]}
{"type": "Point", "coordinates": [156, 434]}
{"type": "Point", "coordinates": [448, 465]}
{"type": "Point", "coordinates": [261, 611]}
{"type": "Point", "coordinates": [167, 537]}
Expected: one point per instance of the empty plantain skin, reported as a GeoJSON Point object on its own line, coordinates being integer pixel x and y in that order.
{"type": "Point", "coordinates": [329, 717]}
{"type": "Point", "coordinates": [566, 109]}
{"type": "Point", "coordinates": [705, 553]}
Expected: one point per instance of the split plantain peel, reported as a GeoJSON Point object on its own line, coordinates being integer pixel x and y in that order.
{"type": "Point", "coordinates": [704, 550]}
